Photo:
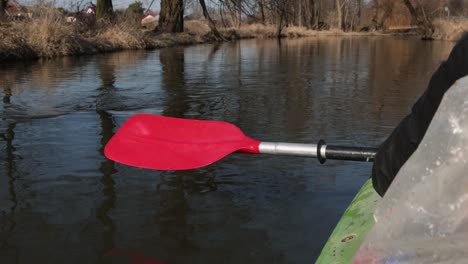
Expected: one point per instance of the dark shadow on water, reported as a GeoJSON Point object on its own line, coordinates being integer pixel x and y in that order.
{"type": "Point", "coordinates": [173, 81]}
{"type": "Point", "coordinates": [214, 50]}
{"type": "Point", "coordinates": [107, 168]}
{"type": "Point", "coordinates": [8, 252]}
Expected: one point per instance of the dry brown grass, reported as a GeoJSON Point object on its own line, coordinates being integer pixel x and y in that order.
{"type": "Point", "coordinates": [266, 31]}
{"type": "Point", "coordinates": [13, 44]}
{"type": "Point", "coordinates": [195, 32]}
{"type": "Point", "coordinates": [450, 29]}
{"type": "Point", "coordinates": [45, 36]}
{"type": "Point", "coordinates": [292, 32]}
{"type": "Point", "coordinates": [196, 27]}
{"type": "Point", "coordinates": [48, 35]}
{"type": "Point", "coordinates": [251, 31]}
{"type": "Point", "coordinates": [154, 41]}
{"type": "Point", "coordinates": [119, 37]}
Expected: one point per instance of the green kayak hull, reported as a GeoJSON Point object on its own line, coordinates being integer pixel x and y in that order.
{"type": "Point", "coordinates": [352, 228]}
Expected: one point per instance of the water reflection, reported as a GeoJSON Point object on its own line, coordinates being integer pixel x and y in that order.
{"type": "Point", "coordinates": [58, 193]}
{"type": "Point", "coordinates": [173, 82]}
{"type": "Point", "coordinates": [9, 252]}
{"type": "Point", "coordinates": [107, 168]}
{"type": "Point", "coordinates": [7, 221]}
{"type": "Point", "coordinates": [106, 72]}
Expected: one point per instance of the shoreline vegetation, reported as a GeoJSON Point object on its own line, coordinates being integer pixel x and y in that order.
{"type": "Point", "coordinates": [49, 35]}
{"type": "Point", "coordinates": [49, 39]}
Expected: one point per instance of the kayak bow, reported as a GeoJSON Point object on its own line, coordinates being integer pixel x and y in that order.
{"type": "Point", "coordinates": [352, 228]}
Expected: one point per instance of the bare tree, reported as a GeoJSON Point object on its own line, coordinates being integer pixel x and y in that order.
{"type": "Point", "coordinates": [375, 7]}
{"type": "Point", "coordinates": [359, 4]}
{"type": "Point", "coordinates": [313, 14]}
{"type": "Point", "coordinates": [211, 24]}
{"type": "Point", "coordinates": [2, 7]}
{"type": "Point", "coordinates": [103, 8]}
{"type": "Point", "coordinates": [171, 18]}
{"type": "Point", "coordinates": [280, 10]}
{"type": "Point", "coordinates": [316, 7]}
{"type": "Point", "coordinates": [339, 14]}
{"type": "Point", "coordinates": [238, 5]}
{"type": "Point", "coordinates": [387, 7]}
{"type": "Point", "coordinates": [261, 7]}
{"type": "Point", "coordinates": [419, 15]}
{"type": "Point", "coordinates": [455, 6]}
{"type": "Point", "coordinates": [234, 9]}
{"type": "Point", "coordinates": [302, 13]}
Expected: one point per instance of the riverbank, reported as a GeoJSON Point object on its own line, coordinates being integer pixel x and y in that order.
{"type": "Point", "coordinates": [48, 38]}
{"type": "Point", "coordinates": [51, 36]}
{"type": "Point", "coordinates": [450, 29]}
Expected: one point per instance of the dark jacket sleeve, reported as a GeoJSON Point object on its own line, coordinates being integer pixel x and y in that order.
{"type": "Point", "coordinates": [405, 138]}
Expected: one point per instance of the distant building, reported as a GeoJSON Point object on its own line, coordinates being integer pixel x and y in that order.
{"type": "Point", "coordinates": [152, 16]}
{"type": "Point", "coordinates": [16, 11]}
{"type": "Point", "coordinates": [90, 10]}
{"type": "Point", "coordinates": [150, 20]}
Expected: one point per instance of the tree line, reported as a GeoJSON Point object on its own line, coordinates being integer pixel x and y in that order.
{"type": "Point", "coordinates": [345, 15]}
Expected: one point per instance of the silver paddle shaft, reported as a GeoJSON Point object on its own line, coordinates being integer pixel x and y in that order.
{"type": "Point", "coordinates": [320, 151]}
{"type": "Point", "coordinates": [294, 149]}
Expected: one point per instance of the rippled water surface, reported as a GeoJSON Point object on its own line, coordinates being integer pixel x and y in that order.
{"type": "Point", "coordinates": [62, 201]}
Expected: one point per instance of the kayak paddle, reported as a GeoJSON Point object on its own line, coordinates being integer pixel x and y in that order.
{"type": "Point", "coordinates": [167, 143]}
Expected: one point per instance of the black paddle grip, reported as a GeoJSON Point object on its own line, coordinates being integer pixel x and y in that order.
{"type": "Point", "coordinates": [350, 153]}
{"type": "Point", "coordinates": [345, 153]}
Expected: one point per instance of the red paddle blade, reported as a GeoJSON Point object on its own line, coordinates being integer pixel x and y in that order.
{"type": "Point", "coordinates": [166, 143]}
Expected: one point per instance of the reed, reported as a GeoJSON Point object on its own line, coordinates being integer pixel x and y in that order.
{"type": "Point", "coordinates": [13, 44]}
{"type": "Point", "coordinates": [50, 36]}
{"type": "Point", "coordinates": [450, 28]}
{"type": "Point", "coordinates": [118, 37]}
{"type": "Point", "coordinates": [266, 31]}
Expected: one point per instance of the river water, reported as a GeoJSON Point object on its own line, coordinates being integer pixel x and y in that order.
{"type": "Point", "coordinates": [62, 201]}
